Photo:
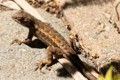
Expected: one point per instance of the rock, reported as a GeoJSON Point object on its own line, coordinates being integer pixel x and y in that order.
{"type": "Point", "coordinates": [99, 36]}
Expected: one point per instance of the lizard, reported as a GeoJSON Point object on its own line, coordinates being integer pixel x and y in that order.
{"type": "Point", "coordinates": [57, 44]}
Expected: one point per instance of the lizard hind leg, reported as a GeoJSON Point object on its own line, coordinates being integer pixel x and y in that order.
{"type": "Point", "coordinates": [77, 44]}
{"type": "Point", "coordinates": [51, 51]}
{"type": "Point", "coordinates": [74, 42]}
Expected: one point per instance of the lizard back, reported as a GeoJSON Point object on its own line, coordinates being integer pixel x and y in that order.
{"type": "Point", "coordinates": [46, 33]}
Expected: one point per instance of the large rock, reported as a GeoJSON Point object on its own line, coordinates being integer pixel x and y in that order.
{"type": "Point", "coordinates": [99, 36]}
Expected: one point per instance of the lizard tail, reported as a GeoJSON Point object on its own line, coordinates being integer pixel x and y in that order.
{"type": "Point", "coordinates": [73, 57]}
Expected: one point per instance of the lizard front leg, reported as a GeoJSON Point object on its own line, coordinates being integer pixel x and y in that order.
{"type": "Point", "coordinates": [27, 40]}
{"type": "Point", "coordinates": [51, 51]}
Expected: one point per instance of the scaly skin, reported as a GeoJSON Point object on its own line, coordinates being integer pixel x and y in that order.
{"type": "Point", "coordinates": [52, 38]}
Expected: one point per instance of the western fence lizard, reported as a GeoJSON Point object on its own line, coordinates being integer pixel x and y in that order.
{"type": "Point", "coordinates": [57, 45]}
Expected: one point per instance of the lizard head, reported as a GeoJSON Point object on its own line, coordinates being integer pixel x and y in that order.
{"type": "Point", "coordinates": [23, 18]}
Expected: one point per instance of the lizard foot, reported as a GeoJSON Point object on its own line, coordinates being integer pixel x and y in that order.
{"type": "Point", "coordinates": [26, 41]}
{"type": "Point", "coordinates": [41, 64]}
{"type": "Point", "coordinates": [16, 41]}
